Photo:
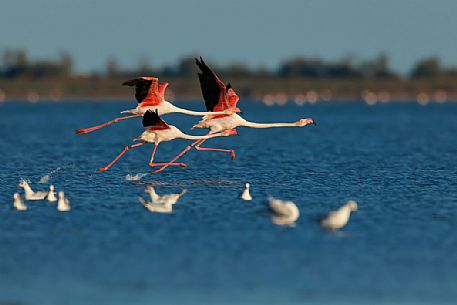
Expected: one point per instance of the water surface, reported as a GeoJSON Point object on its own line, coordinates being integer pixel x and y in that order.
{"type": "Point", "coordinates": [397, 160]}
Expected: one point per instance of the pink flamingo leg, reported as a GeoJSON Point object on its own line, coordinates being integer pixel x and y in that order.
{"type": "Point", "coordinates": [176, 157]}
{"type": "Point", "coordinates": [120, 155]}
{"type": "Point", "coordinates": [90, 129]}
{"type": "Point", "coordinates": [161, 164]}
{"type": "Point", "coordinates": [231, 151]}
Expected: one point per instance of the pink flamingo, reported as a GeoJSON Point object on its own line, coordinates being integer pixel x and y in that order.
{"type": "Point", "coordinates": [219, 97]}
{"type": "Point", "coordinates": [157, 131]}
{"type": "Point", "coordinates": [150, 95]}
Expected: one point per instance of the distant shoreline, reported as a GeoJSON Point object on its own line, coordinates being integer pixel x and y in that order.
{"type": "Point", "coordinates": [270, 90]}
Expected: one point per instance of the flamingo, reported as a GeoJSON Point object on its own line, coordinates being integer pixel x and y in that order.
{"type": "Point", "coordinates": [157, 131]}
{"type": "Point", "coordinates": [219, 97]}
{"type": "Point", "coordinates": [339, 218]}
{"type": "Point", "coordinates": [150, 95]}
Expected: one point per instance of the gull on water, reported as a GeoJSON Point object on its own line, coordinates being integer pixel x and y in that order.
{"type": "Point", "coordinates": [29, 193]}
{"type": "Point", "coordinates": [283, 212]}
{"type": "Point", "coordinates": [52, 194]}
{"type": "Point", "coordinates": [63, 204]}
{"type": "Point", "coordinates": [157, 207]}
{"type": "Point", "coordinates": [164, 199]}
{"type": "Point", "coordinates": [18, 204]}
{"type": "Point", "coordinates": [246, 195]}
{"type": "Point", "coordinates": [339, 218]}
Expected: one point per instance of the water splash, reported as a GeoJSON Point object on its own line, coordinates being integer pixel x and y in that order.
{"type": "Point", "coordinates": [47, 177]}
{"type": "Point", "coordinates": [136, 177]}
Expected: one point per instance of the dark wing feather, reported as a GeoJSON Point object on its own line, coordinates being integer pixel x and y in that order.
{"type": "Point", "coordinates": [141, 87]}
{"type": "Point", "coordinates": [210, 84]}
{"type": "Point", "coordinates": [152, 119]}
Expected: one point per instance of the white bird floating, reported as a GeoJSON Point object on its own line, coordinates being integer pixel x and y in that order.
{"type": "Point", "coordinates": [164, 199]}
{"type": "Point", "coordinates": [52, 194]}
{"type": "Point", "coordinates": [63, 204]}
{"type": "Point", "coordinates": [339, 218]}
{"type": "Point", "coordinates": [284, 212]}
{"type": "Point", "coordinates": [157, 207]}
{"type": "Point", "coordinates": [246, 195]}
{"type": "Point", "coordinates": [29, 193]}
{"type": "Point", "coordinates": [18, 204]}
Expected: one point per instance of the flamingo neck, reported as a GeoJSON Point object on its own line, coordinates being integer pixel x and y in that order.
{"type": "Point", "coordinates": [267, 125]}
{"type": "Point", "coordinates": [189, 137]}
{"type": "Point", "coordinates": [195, 113]}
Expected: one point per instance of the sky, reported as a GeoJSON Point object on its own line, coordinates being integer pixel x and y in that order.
{"type": "Point", "coordinates": [260, 33]}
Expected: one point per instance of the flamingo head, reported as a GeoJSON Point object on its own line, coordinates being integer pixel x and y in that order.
{"type": "Point", "coordinates": [304, 122]}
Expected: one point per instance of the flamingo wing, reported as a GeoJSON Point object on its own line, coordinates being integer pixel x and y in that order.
{"type": "Point", "coordinates": [152, 120]}
{"type": "Point", "coordinates": [213, 89]}
{"type": "Point", "coordinates": [147, 90]}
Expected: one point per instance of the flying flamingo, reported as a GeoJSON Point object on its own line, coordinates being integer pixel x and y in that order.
{"type": "Point", "coordinates": [219, 97]}
{"type": "Point", "coordinates": [159, 131]}
{"type": "Point", "coordinates": [150, 95]}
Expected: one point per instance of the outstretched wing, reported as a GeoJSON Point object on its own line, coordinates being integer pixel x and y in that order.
{"type": "Point", "coordinates": [147, 90]}
{"type": "Point", "coordinates": [213, 89]}
{"type": "Point", "coordinates": [152, 120]}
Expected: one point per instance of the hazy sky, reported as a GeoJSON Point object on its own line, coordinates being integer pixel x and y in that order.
{"type": "Point", "coordinates": [257, 32]}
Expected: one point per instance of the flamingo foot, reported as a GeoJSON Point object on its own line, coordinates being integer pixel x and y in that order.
{"type": "Point", "coordinates": [102, 169]}
{"type": "Point", "coordinates": [232, 154]}
{"type": "Point", "coordinates": [86, 130]}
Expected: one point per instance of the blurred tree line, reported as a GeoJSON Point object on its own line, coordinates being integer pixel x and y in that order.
{"type": "Point", "coordinates": [17, 64]}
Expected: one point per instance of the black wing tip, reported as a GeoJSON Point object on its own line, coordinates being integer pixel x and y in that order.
{"type": "Point", "coordinates": [131, 82]}
{"type": "Point", "coordinates": [201, 63]}
{"type": "Point", "coordinates": [150, 117]}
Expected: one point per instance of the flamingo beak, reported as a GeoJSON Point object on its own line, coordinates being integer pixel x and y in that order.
{"type": "Point", "coordinates": [314, 123]}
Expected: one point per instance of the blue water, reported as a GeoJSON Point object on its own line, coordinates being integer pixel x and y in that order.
{"type": "Point", "coordinates": [397, 160]}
